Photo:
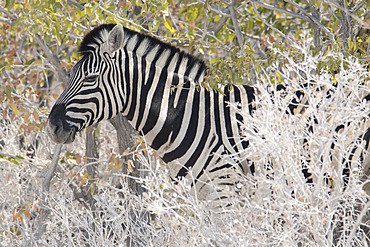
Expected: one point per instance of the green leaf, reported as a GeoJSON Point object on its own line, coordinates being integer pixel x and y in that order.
{"type": "Point", "coordinates": [93, 188]}
{"type": "Point", "coordinates": [215, 60]}
{"type": "Point", "coordinates": [29, 62]}
{"type": "Point", "coordinates": [71, 155]}
{"type": "Point", "coordinates": [250, 25]}
{"type": "Point", "coordinates": [19, 157]}
{"type": "Point", "coordinates": [57, 36]}
{"type": "Point", "coordinates": [13, 160]}
{"type": "Point", "coordinates": [8, 92]}
{"type": "Point", "coordinates": [9, 4]}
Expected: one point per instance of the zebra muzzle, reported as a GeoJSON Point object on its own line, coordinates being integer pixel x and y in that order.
{"type": "Point", "coordinates": [57, 128]}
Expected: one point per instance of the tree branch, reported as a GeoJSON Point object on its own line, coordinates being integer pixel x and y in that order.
{"type": "Point", "coordinates": [237, 29]}
{"type": "Point", "coordinates": [316, 29]}
{"type": "Point", "coordinates": [9, 15]}
{"type": "Point", "coordinates": [314, 19]}
{"type": "Point", "coordinates": [54, 60]}
{"type": "Point", "coordinates": [6, 21]}
{"type": "Point", "coordinates": [358, 222]}
{"type": "Point", "coordinates": [218, 9]}
{"type": "Point", "coordinates": [81, 7]}
{"type": "Point", "coordinates": [361, 22]}
{"type": "Point", "coordinates": [50, 173]}
{"type": "Point", "coordinates": [307, 17]}
{"type": "Point", "coordinates": [19, 158]}
{"type": "Point", "coordinates": [45, 192]}
{"type": "Point", "coordinates": [289, 41]}
{"type": "Point", "coordinates": [267, 6]}
{"type": "Point", "coordinates": [215, 28]}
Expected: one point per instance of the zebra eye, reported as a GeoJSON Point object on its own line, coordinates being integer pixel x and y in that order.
{"type": "Point", "coordinates": [91, 78]}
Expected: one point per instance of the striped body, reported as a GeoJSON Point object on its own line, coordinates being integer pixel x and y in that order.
{"type": "Point", "coordinates": [156, 86]}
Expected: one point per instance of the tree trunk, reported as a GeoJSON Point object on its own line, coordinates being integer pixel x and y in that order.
{"type": "Point", "coordinates": [346, 25]}
{"type": "Point", "coordinates": [126, 136]}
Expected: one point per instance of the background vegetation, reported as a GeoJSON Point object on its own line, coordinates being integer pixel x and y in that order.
{"type": "Point", "coordinates": [103, 190]}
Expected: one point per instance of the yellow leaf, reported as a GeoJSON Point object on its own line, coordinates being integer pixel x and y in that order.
{"type": "Point", "coordinates": [117, 165]}
{"type": "Point", "coordinates": [129, 165]}
{"type": "Point", "coordinates": [14, 108]}
{"type": "Point", "coordinates": [168, 25]}
{"type": "Point", "coordinates": [84, 179]}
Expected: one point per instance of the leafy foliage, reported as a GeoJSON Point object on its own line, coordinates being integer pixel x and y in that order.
{"type": "Point", "coordinates": [243, 42]}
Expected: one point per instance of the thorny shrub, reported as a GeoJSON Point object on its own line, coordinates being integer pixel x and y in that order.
{"type": "Point", "coordinates": [276, 206]}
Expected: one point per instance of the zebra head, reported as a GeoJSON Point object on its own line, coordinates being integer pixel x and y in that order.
{"type": "Point", "coordinates": [91, 94]}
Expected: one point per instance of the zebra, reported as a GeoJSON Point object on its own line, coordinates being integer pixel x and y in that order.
{"type": "Point", "coordinates": [157, 88]}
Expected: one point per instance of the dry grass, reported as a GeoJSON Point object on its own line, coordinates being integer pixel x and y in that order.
{"type": "Point", "coordinates": [276, 207]}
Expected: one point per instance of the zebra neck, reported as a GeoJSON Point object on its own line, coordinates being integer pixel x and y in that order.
{"type": "Point", "coordinates": [157, 86]}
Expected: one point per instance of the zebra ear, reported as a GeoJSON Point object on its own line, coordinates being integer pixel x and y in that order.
{"type": "Point", "coordinates": [115, 39]}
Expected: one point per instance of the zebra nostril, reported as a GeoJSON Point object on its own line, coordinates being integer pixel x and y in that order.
{"type": "Point", "coordinates": [58, 126]}
{"type": "Point", "coordinates": [55, 126]}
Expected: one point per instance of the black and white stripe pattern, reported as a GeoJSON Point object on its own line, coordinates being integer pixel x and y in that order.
{"type": "Point", "coordinates": [156, 86]}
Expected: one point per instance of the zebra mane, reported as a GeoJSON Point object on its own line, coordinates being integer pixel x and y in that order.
{"type": "Point", "coordinates": [98, 35]}
{"type": "Point", "coordinates": [94, 38]}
